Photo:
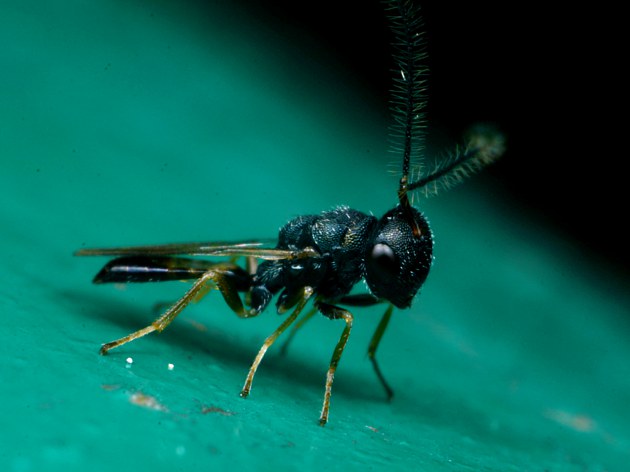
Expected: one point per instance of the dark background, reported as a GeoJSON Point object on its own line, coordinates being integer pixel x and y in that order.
{"type": "Point", "coordinates": [544, 74]}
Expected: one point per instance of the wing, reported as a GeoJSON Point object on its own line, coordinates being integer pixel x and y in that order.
{"type": "Point", "coordinates": [244, 248]}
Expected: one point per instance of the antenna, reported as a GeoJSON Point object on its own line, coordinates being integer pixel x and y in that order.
{"type": "Point", "coordinates": [483, 144]}
{"type": "Point", "coordinates": [407, 95]}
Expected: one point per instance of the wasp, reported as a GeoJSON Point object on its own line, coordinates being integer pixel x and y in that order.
{"type": "Point", "coordinates": [320, 258]}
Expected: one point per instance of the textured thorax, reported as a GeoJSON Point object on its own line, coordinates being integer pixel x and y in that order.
{"type": "Point", "coordinates": [339, 237]}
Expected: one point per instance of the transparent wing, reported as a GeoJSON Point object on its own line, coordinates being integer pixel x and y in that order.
{"type": "Point", "coordinates": [243, 248]}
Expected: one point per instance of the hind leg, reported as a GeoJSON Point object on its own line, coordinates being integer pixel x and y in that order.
{"type": "Point", "coordinates": [218, 276]}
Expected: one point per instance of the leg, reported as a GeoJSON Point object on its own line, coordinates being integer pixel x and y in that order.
{"type": "Point", "coordinates": [307, 292]}
{"type": "Point", "coordinates": [218, 276]}
{"type": "Point", "coordinates": [334, 313]}
{"type": "Point", "coordinates": [376, 338]}
{"type": "Point", "coordinates": [369, 300]}
{"type": "Point", "coordinates": [295, 329]}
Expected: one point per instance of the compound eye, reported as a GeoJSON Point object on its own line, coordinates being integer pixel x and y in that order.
{"type": "Point", "coordinates": [384, 260]}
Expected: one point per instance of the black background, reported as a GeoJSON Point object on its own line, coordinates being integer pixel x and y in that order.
{"type": "Point", "coordinates": [545, 74]}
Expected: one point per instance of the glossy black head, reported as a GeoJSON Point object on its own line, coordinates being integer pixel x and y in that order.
{"type": "Point", "coordinates": [399, 257]}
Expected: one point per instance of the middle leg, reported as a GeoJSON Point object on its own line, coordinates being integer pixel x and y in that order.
{"type": "Point", "coordinates": [306, 295]}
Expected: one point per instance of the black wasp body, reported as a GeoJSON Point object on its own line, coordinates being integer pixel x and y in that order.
{"type": "Point", "coordinates": [322, 257]}
{"type": "Point", "coordinates": [349, 246]}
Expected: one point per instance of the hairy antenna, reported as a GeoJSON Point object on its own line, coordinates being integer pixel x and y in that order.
{"type": "Point", "coordinates": [407, 94]}
{"type": "Point", "coordinates": [483, 144]}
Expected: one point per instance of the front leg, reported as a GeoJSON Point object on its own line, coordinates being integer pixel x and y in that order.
{"type": "Point", "coordinates": [334, 313]}
{"type": "Point", "coordinates": [376, 339]}
{"type": "Point", "coordinates": [369, 300]}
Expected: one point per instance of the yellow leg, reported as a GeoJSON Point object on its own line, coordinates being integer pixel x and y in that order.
{"type": "Point", "coordinates": [334, 312]}
{"type": "Point", "coordinates": [199, 288]}
{"type": "Point", "coordinates": [296, 327]}
{"type": "Point", "coordinates": [307, 292]}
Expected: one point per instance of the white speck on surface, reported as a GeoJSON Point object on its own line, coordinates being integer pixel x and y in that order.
{"type": "Point", "coordinates": [171, 366]}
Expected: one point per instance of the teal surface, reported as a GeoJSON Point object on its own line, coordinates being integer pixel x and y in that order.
{"type": "Point", "coordinates": [144, 122]}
